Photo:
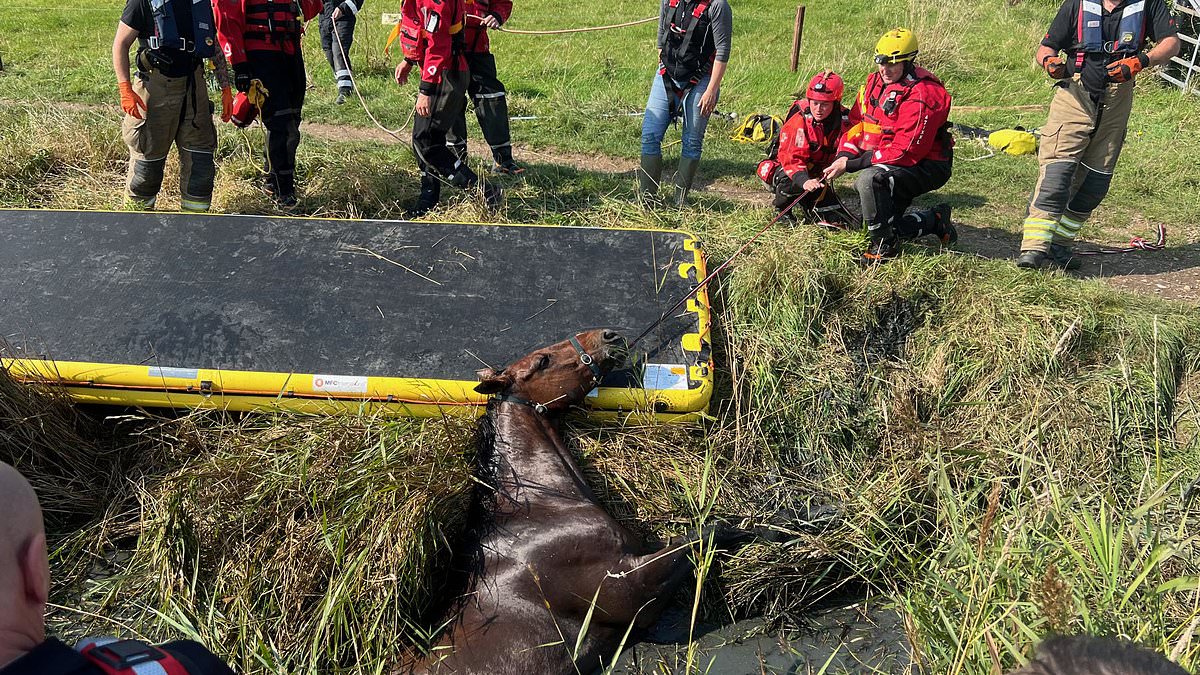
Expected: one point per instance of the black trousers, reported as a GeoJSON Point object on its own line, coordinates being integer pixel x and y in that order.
{"type": "Point", "coordinates": [283, 76]}
{"type": "Point", "coordinates": [344, 27]}
{"type": "Point", "coordinates": [887, 191]}
{"type": "Point", "coordinates": [434, 153]}
{"type": "Point", "coordinates": [491, 109]}
{"type": "Point", "coordinates": [818, 206]}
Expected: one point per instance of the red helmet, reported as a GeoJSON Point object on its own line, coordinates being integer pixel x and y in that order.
{"type": "Point", "coordinates": [243, 111]}
{"type": "Point", "coordinates": [826, 86]}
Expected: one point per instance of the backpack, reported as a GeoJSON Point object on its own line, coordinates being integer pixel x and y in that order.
{"type": "Point", "coordinates": [758, 128]}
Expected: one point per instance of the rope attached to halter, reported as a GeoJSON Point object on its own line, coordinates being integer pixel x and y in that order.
{"type": "Point", "coordinates": [722, 266]}
{"type": "Point", "coordinates": [564, 31]}
{"type": "Point", "coordinates": [1135, 244]}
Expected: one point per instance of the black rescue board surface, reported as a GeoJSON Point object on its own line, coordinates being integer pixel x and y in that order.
{"type": "Point", "coordinates": [371, 298]}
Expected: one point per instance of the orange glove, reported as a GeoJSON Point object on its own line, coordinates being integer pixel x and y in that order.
{"type": "Point", "coordinates": [226, 104]}
{"type": "Point", "coordinates": [131, 103]}
{"type": "Point", "coordinates": [1055, 67]}
{"type": "Point", "coordinates": [1126, 69]}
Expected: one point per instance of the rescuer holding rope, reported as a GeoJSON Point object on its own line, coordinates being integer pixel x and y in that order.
{"type": "Point", "coordinates": [168, 100]}
{"type": "Point", "coordinates": [805, 147]}
{"type": "Point", "coordinates": [694, 40]}
{"type": "Point", "coordinates": [261, 39]}
{"type": "Point", "coordinates": [901, 146]}
{"type": "Point", "coordinates": [340, 16]}
{"type": "Point", "coordinates": [431, 34]}
{"type": "Point", "coordinates": [485, 89]}
{"type": "Point", "coordinates": [1084, 132]}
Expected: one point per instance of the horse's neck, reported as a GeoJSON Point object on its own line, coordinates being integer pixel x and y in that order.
{"type": "Point", "coordinates": [531, 460]}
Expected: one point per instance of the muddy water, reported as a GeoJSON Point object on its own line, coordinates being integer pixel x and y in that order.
{"type": "Point", "coordinates": [854, 639]}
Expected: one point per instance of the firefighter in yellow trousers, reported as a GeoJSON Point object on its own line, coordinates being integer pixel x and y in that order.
{"type": "Point", "coordinates": [166, 103]}
{"type": "Point", "coordinates": [1082, 138]}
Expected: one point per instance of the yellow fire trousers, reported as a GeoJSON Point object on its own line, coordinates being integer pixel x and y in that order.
{"type": "Point", "coordinates": [177, 111]}
{"type": "Point", "coordinates": [1080, 144]}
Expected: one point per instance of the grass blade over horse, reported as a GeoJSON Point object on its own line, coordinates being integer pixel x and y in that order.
{"type": "Point", "coordinates": [552, 582]}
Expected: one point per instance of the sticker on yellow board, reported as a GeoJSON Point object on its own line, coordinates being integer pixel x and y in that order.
{"type": "Point", "coordinates": [665, 376]}
{"type": "Point", "coordinates": [339, 384]}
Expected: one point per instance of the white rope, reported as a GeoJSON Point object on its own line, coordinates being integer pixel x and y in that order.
{"type": "Point", "coordinates": [567, 30]}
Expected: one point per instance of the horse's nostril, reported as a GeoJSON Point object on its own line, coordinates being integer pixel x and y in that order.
{"type": "Point", "coordinates": [610, 336]}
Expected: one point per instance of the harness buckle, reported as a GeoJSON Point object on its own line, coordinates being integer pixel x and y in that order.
{"type": "Point", "coordinates": [125, 654]}
{"type": "Point", "coordinates": [154, 42]}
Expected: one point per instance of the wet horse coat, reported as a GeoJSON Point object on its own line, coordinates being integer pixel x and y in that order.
{"type": "Point", "coordinates": [546, 558]}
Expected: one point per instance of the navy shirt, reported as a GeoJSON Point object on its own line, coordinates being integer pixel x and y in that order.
{"type": "Point", "coordinates": [169, 62]}
{"type": "Point", "coordinates": [1064, 36]}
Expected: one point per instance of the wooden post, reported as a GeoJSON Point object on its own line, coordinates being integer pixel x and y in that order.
{"type": "Point", "coordinates": [797, 34]}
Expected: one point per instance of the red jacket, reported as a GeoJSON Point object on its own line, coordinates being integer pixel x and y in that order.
{"type": "Point", "coordinates": [431, 34]}
{"type": "Point", "coordinates": [806, 145]}
{"type": "Point", "coordinates": [899, 124]}
{"type": "Point", "coordinates": [261, 25]}
{"type": "Point", "coordinates": [475, 36]}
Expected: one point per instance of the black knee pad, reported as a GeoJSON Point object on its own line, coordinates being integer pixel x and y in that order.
{"type": "Point", "coordinates": [147, 177]}
{"type": "Point", "coordinates": [1091, 192]}
{"type": "Point", "coordinates": [204, 170]}
{"type": "Point", "coordinates": [1051, 194]}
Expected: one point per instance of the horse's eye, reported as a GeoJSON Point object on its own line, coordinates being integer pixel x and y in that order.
{"type": "Point", "coordinates": [543, 361]}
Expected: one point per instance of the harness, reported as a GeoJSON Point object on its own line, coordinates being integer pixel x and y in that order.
{"type": "Point", "coordinates": [273, 22]}
{"type": "Point", "coordinates": [166, 28]}
{"type": "Point", "coordinates": [684, 53]}
{"type": "Point", "coordinates": [540, 408]}
{"type": "Point", "coordinates": [1089, 30]}
{"type": "Point", "coordinates": [129, 657]}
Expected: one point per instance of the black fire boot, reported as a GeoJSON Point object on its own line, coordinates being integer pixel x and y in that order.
{"type": "Point", "coordinates": [431, 194]}
{"type": "Point", "coordinates": [880, 250]}
{"type": "Point", "coordinates": [493, 196]}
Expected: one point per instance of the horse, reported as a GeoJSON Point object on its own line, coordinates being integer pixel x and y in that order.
{"type": "Point", "coordinates": [553, 583]}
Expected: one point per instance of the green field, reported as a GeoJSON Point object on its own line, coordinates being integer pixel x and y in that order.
{"type": "Point", "coordinates": [1012, 450]}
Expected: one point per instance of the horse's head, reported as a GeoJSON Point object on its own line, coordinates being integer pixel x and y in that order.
{"type": "Point", "coordinates": [560, 375]}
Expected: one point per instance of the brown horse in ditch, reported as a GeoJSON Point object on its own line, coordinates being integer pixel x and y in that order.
{"type": "Point", "coordinates": [544, 561]}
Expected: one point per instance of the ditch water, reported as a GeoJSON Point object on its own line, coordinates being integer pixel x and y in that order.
{"type": "Point", "coordinates": [858, 638]}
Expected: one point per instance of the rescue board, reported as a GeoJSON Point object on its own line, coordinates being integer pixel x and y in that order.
{"type": "Point", "coordinates": [321, 315]}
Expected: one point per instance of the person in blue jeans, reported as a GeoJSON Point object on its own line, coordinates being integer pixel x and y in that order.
{"type": "Point", "coordinates": [694, 39]}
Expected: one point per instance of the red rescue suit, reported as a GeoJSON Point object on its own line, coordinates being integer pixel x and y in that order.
{"type": "Point", "coordinates": [475, 35]}
{"type": "Point", "coordinates": [431, 37]}
{"type": "Point", "coordinates": [262, 25]}
{"type": "Point", "coordinates": [900, 124]}
{"type": "Point", "coordinates": [806, 145]}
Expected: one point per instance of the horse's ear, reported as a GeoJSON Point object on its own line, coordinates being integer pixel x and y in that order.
{"type": "Point", "coordinates": [492, 381]}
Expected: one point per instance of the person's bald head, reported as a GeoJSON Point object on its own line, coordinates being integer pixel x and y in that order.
{"type": "Point", "coordinates": [24, 571]}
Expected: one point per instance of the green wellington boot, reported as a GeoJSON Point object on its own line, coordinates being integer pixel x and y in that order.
{"type": "Point", "coordinates": [684, 178]}
{"type": "Point", "coordinates": [648, 175]}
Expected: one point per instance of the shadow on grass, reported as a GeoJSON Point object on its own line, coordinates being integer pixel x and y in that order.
{"type": "Point", "coordinates": [996, 244]}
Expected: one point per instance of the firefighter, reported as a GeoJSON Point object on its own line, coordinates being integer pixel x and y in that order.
{"type": "Point", "coordinates": [484, 88]}
{"type": "Point", "coordinates": [167, 102]}
{"type": "Point", "coordinates": [261, 39]}
{"type": "Point", "coordinates": [694, 40]}
{"type": "Point", "coordinates": [25, 590]}
{"type": "Point", "coordinates": [340, 16]}
{"type": "Point", "coordinates": [431, 34]}
{"type": "Point", "coordinates": [900, 145]}
{"type": "Point", "coordinates": [1084, 132]}
{"type": "Point", "coordinates": [806, 145]}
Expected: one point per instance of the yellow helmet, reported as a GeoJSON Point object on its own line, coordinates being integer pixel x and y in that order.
{"type": "Point", "coordinates": [896, 45]}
